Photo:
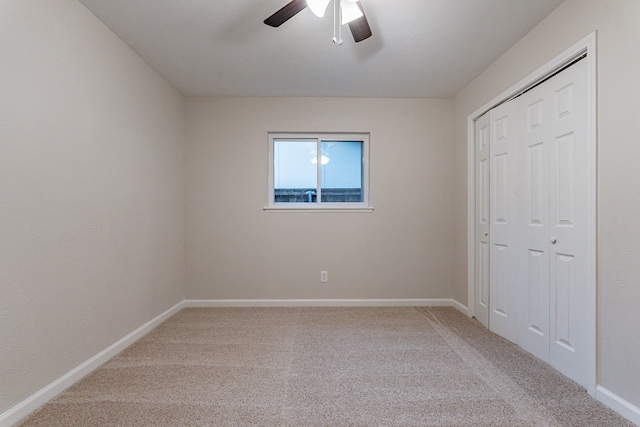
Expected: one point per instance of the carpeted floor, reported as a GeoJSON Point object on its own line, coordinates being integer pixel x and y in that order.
{"type": "Point", "coordinates": [389, 366]}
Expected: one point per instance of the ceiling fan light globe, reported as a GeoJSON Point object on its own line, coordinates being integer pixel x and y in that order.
{"type": "Point", "coordinates": [350, 11]}
{"type": "Point", "coordinates": [318, 7]}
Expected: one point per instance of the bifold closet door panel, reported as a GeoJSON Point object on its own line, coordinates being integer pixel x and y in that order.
{"type": "Point", "coordinates": [534, 223]}
{"type": "Point", "coordinates": [569, 206]}
{"type": "Point", "coordinates": [482, 220]}
{"type": "Point", "coordinates": [503, 215]}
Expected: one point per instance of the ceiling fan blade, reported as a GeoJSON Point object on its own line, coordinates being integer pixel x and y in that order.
{"type": "Point", "coordinates": [287, 12]}
{"type": "Point", "coordinates": [360, 27]}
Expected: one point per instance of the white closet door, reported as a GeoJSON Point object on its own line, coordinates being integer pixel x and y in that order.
{"type": "Point", "coordinates": [503, 215]}
{"type": "Point", "coordinates": [534, 218]}
{"type": "Point", "coordinates": [482, 220]}
{"type": "Point", "coordinates": [554, 159]}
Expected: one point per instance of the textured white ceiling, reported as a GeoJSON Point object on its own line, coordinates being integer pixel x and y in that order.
{"type": "Point", "coordinates": [419, 48]}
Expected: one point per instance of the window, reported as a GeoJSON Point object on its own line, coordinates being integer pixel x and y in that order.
{"type": "Point", "coordinates": [315, 171]}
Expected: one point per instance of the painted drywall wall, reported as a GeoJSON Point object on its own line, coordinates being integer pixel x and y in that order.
{"type": "Point", "coordinates": [618, 37]}
{"type": "Point", "coordinates": [91, 190]}
{"type": "Point", "coordinates": [402, 249]}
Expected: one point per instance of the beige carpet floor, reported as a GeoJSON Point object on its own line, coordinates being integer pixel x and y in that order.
{"type": "Point", "coordinates": [390, 366]}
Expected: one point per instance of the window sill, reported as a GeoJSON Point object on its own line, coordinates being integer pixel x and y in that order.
{"type": "Point", "coordinates": [331, 209]}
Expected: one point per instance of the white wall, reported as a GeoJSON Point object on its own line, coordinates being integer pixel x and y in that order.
{"type": "Point", "coordinates": [618, 173]}
{"type": "Point", "coordinates": [402, 249]}
{"type": "Point", "coordinates": [91, 192]}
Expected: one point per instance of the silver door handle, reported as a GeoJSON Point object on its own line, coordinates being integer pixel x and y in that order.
{"type": "Point", "coordinates": [553, 240]}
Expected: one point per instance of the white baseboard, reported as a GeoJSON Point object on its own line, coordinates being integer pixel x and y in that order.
{"type": "Point", "coordinates": [618, 404]}
{"type": "Point", "coordinates": [409, 302]}
{"type": "Point", "coordinates": [33, 402]}
{"type": "Point", "coordinates": [460, 307]}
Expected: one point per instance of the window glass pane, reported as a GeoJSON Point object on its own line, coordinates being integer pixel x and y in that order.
{"type": "Point", "coordinates": [341, 172]}
{"type": "Point", "coordinates": [295, 175]}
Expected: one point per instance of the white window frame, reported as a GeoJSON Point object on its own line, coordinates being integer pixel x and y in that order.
{"type": "Point", "coordinates": [319, 205]}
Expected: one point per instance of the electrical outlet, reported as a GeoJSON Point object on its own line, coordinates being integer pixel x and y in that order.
{"type": "Point", "coordinates": [324, 276]}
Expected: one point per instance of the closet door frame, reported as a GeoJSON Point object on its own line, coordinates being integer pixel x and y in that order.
{"type": "Point", "coordinates": [585, 46]}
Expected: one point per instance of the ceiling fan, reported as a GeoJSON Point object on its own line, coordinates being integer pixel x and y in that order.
{"type": "Point", "coordinates": [345, 12]}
